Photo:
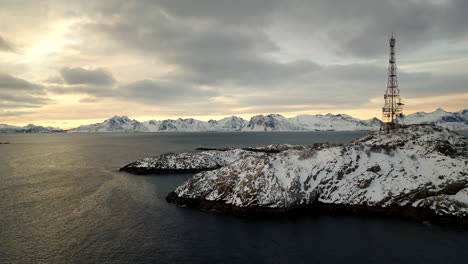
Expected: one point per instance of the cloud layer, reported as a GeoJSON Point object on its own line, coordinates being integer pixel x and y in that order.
{"type": "Point", "coordinates": [79, 75]}
{"type": "Point", "coordinates": [16, 93]}
{"type": "Point", "coordinates": [222, 57]}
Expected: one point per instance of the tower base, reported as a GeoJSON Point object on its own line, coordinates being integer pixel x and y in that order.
{"type": "Point", "coordinates": [389, 126]}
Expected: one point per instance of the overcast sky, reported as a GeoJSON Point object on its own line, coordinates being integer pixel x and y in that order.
{"type": "Point", "coordinates": [65, 63]}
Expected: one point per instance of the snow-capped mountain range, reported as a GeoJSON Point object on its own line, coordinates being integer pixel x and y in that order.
{"type": "Point", "coordinates": [28, 129]}
{"type": "Point", "coordinates": [273, 122]}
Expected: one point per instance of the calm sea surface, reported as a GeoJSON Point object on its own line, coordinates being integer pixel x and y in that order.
{"type": "Point", "coordinates": [62, 200]}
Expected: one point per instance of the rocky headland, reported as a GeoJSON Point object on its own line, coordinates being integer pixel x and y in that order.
{"type": "Point", "coordinates": [418, 172]}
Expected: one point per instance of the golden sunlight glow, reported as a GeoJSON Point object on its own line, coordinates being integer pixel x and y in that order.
{"type": "Point", "coordinates": [52, 41]}
{"type": "Point", "coordinates": [39, 55]}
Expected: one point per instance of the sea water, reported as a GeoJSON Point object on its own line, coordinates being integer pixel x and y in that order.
{"type": "Point", "coordinates": [63, 200]}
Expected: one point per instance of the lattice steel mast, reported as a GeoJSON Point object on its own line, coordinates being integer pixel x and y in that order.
{"type": "Point", "coordinates": [393, 106]}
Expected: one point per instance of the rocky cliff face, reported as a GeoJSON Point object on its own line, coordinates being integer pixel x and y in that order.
{"type": "Point", "coordinates": [417, 170]}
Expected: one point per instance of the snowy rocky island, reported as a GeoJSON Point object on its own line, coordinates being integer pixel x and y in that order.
{"type": "Point", "coordinates": [418, 172]}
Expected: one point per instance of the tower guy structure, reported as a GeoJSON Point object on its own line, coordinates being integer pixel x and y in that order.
{"type": "Point", "coordinates": [393, 106]}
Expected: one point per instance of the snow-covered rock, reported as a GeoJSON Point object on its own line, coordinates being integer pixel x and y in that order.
{"type": "Point", "coordinates": [453, 121]}
{"type": "Point", "coordinates": [419, 170]}
{"type": "Point", "coordinates": [272, 122]}
{"type": "Point", "coordinates": [152, 125]}
{"type": "Point", "coordinates": [190, 162]}
{"type": "Point", "coordinates": [114, 124]}
{"type": "Point", "coordinates": [181, 125]}
{"type": "Point", "coordinates": [28, 129]}
{"type": "Point", "coordinates": [192, 125]}
{"type": "Point", "coordinates": [232, 123]}
{"type": "Point", "coordinates": [339, 122]}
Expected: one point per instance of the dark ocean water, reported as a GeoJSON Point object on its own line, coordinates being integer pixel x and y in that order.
{"type": "Point", "coordinates": [62, 200]}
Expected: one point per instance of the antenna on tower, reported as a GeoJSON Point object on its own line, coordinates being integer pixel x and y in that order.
{"type": "Point", "coordinates": [393, 106]}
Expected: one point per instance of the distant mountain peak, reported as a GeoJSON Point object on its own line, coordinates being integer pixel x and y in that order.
{"type": "Point", "coordinates": [120, 118]}
{"type": "Point", "coordinates": [440, 117]}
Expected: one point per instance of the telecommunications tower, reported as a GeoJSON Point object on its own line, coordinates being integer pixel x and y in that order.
{"type": "Point", "coordinates": [393, 106]}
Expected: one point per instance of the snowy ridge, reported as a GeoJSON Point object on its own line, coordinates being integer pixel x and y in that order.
{"type": "Point", "coordinates": [272, 122]}
{"type": "Point", "coordinates": [198, 161]}
{"type": "Point", "coordinates": [114, 124]}
{"type": "Point", "coordinates": [440, 117]}
{"type": "Point", "coordinates": [186, 162]}
{"type": "Point", "coordinates": [338, 122]}
{"type": "Point", "coordinates": [28, 129]}
{"type": "Point", "coordinates": [192, 125]}
{"type": "Point", "coordinates": [417, 166]}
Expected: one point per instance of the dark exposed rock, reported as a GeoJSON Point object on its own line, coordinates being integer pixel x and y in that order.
{"type": "Point", "coordinates": [374, 169]}
{"type": "Point", "coordinates": [217, 149]}
{"type": "Point", "coordinates": [155, 171]}
{"type": "Point", "coordinates": [318, 208]}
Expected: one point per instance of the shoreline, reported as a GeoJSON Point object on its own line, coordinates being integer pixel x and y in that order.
{"type": "Point", "coordinates": [155, 171]}
{"type": "Point", "coordinates": [408, 213]}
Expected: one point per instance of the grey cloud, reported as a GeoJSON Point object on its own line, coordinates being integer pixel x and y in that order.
{"type": "Point", "coordinates": [360, 28]}
{"type": "Point", "coordinates": [4, 45]}
{"type": "Point", "coordinates": [84, 76]}
{"type": "Point", "coordinates": [96, 91]}
{"type": "Point", "coordinates": [11, 83]}
{"type": "Point", "coordinates": [206, 53]}
{"type": "Point", "coordinates": [54, 80]}
{"type": "Point", "coordinates": [245, 12]}
{"type": "Point", "coordinates": [16, 93]}
{"type": "Point", "coordinates": [144, 91]}
{"type": "Point", "coordinates": [23, 98]}
{"type": "Point", "coordinates": [162, 93]}
{"type": "Point", "coordinates": [352, 85]}
{"type": "Point", "coordinates": [225, 42]}
{"type": "Point", "coordinates": [427, 84]}
{"type": "Point", "coordinates": [244, 71]}
{"type": "Point", "coordinates": [350, 73]}
{"type": "Point", "coordinates": [17, 105]}
{"type": "Point", "coordinates": [13, 113]}
{"type": "Point", "coordinates": [353, 28]}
